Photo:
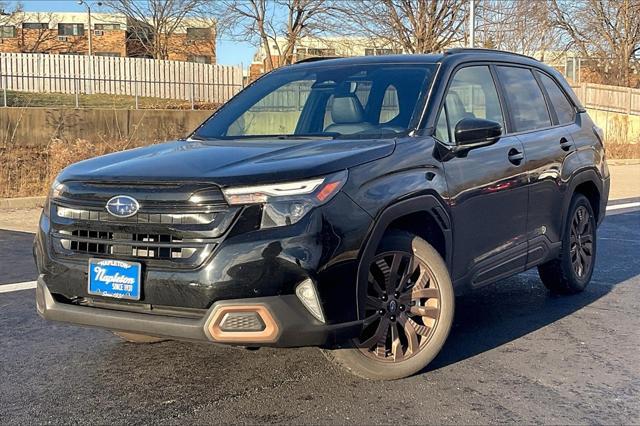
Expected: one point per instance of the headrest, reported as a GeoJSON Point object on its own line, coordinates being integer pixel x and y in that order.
{"type": "Point", "coordinates": [347, 109]}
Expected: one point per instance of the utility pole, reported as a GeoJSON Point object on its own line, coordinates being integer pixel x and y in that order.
{"type": "Point", "coordinates": [472, 23]}
{"type": "Point", "coordinates": [86, 4]}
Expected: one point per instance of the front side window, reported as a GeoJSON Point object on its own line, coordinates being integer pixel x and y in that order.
{"type": "Point", "coordinates": [373, 100]}
{"type": "Point", "coordinates": [561, 105]}
{"type": "Point", "coordinates": [527, 106]}
{"type": "Point", "coordinates": [390, 105]}
{"type": "Point", "coordinates": [70, 29]}
{"type": "Point", "coordinates": [472, 94]}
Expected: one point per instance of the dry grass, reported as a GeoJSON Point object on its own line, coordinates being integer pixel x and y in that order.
{"type": "Point", "coordinates": [623, 150]}
{"type": "Point", "coordinates": [58, 100]}
{"type": "Point", "coordinates": [29, 171]}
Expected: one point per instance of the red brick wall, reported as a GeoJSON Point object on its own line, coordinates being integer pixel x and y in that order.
{"type": "Point", "coordinates": [46, 41]}
{"type": "Point", "coordinates": [112, 41]}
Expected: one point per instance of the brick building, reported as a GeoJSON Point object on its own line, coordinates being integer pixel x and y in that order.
{"type": "Point", "coordinates": [111, 35]}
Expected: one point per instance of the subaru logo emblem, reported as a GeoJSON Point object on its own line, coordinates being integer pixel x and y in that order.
{"type": "Point", "coordinates": [122, 206]}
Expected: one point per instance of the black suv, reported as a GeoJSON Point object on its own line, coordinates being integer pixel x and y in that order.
{"type": "Point", "coordinates": [339, 203]}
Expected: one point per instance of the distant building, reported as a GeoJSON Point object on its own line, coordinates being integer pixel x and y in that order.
{"type": "Point", "coordinates": [111, 35]}
{"type": "Point", "coordinates": [322, 47]}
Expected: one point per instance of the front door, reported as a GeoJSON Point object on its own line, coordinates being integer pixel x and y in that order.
{"type": "Point", "coordinates": [487, 187]}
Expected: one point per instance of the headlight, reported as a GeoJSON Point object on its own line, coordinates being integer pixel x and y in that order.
{"type": "Point", "coordinates": [287, 203]}
{"type": "Point", "coordinates": [57, 189]}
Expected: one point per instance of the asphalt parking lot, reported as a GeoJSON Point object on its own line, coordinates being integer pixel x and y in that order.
{"type": "Point", "coordinates": [516, 354]}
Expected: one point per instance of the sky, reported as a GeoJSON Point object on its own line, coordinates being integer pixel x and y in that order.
{"type": "Point", "coordinates": [228, 52]}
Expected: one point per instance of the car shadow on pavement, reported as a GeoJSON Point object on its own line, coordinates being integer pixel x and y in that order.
{"type": "Point", "coordinates": [509, 309]}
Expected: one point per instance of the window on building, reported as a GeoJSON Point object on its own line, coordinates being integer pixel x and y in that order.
{"type": "Point", "coordinates": [377, 52]}
{"type": "Point", "coordinates": [527, 105]}
{"type": "Point", "coordinates": [7, 31]}
{"type": "Point", "coordinates": [35, 26]}
{"type": "Point", "coordinates": [312, 52]}
{"type": "Point", "coordinates": [112, 54]}
{"type": "Point", "coordinates": [70, 29]}
{"type": "Point", "coordinates": [321, 52]}
{"type": "Point", "coordinates": [200, 59]}
{"type": "Point", "coordinates": [106, 27]}
{"type": "Point", "coordinates": [199, 34]}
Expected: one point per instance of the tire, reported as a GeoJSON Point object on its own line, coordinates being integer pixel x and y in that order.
{"type": "Point", "coordinates": [423, 310]}
{"type": "Point", "coordinates": [138, 338]}
{"type": "Point", "coordinates": [571, 271]}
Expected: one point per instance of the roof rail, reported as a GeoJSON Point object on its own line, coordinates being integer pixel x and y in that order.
{"type": "Point", "coordinates": [316, 59]}
{"type": "Point", "coordinates": [483, 50]}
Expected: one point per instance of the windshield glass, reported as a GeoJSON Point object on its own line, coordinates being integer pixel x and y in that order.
{"type": "Point", "coordinates": [347, 101]}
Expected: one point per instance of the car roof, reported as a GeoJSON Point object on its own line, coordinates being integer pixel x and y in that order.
{"type": "Point", "coordinates": [362, 60]}
{"type": "Point", "coordinates": [457, 55]}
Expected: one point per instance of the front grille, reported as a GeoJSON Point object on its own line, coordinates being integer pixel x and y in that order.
{"type": "Point", "coordinates": [165, 218]}
{"type": "Point", "coordinates": [148, 246]}
{"type": "Point", "coordinates": [176, 234]}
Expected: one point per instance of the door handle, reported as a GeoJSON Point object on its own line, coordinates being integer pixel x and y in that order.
{"type": "Point", "coordinates": [565, 144]}
{"type": "Point", "coordinates": [515, 156]}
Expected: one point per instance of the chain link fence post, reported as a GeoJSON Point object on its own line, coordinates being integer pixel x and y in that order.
{"type": "Point", "coordinates": [75, 80]}
{"type": "Point", "coordinates": [3, 79]}
{"type": "Point", "coordinates": [192, 97]}
{"type": "Point", "coordinates": [135, 91]}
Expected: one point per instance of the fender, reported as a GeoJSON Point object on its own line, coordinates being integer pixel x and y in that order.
{"type": "Point", "coordinates": [424, 203]}
{"type": "Point", "coordinates": [579, 177]}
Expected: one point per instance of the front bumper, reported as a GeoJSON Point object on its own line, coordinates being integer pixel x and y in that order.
{"type": "Point", "coordinates": [246, 264]}
{"type": "Point", "coordinates": [293, 325]}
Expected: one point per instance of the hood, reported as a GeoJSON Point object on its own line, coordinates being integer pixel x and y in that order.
{"type": "Point", "coordinates": [228, 163]}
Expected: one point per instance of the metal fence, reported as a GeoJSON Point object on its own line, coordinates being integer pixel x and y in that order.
{"type": "Point", "coordinates": [136, 78]}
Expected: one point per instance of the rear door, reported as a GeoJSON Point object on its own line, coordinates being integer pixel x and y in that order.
{"type": "Point", "coordinates": [487, 186]}
{"type": "Point", "coordinates": [545, 135]}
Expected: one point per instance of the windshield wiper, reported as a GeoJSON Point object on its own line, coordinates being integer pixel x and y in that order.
{"type": "Point", "coordinates": [306, 136]}
{"type": "Point", "coordinates": [309, 136]}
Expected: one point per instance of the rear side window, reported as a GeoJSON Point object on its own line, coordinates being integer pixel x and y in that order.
{"type": "Point", "coordinates": [527, 106]}
{"type": "Point", "coordinates": [561, 105]}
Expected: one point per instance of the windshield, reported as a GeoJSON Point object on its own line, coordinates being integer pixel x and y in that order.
{"type": "Point", "coordinates": [347, 101]}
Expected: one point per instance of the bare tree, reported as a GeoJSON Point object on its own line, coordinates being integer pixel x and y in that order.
{"type": "Point", "coordinates": [152, 22]}
{"type": "Point", "coordinates": [522, 26]}
{"type": "Point", "coordinates": [277, 25]}
{"type": "Point", "coordinates": [607, 31]}
{"type": "Point", "coordinates": [416, 26]}
{"type": "Point", "coordinates": [8, 11]}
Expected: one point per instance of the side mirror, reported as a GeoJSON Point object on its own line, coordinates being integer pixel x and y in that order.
{"type": "Point", "coordinates": [472, 132]}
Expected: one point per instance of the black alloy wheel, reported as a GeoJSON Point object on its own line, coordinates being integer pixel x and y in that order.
{"type": "Point", "coordinates": [402, 307]}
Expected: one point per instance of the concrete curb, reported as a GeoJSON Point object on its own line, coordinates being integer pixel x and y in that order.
{"type": "Point", "coordinates": [623, 162]}
{"type": "Point", "coordinates": [22, 202]}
